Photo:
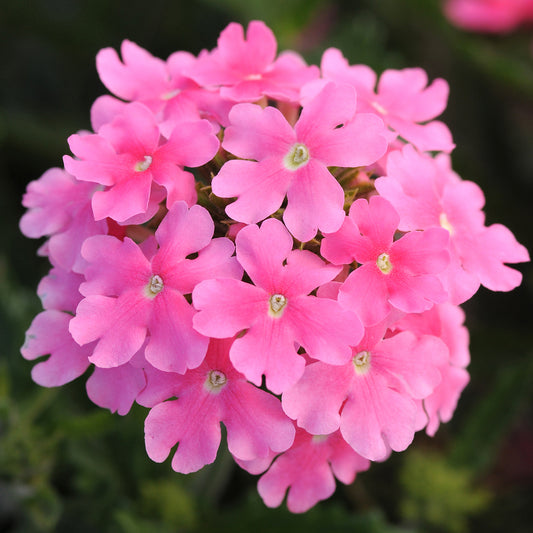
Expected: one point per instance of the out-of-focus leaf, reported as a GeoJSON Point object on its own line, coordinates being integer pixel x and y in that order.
{"type": "Point", "coordinates": [436, 496]}
{"type": "Point", "coordinates": [489, 420]}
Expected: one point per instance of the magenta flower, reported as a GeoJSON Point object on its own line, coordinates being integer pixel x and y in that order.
{"type": "Point", "coordinates": [294, 162]}
{"type": "Point", "coordinates": [402, 99]}
{"type": "Point", "coordinates": [247, 69]}
{"type": "Point", "coordinates": [128, 296]}
{"type": "Point", "coordinates": [212, 393]}
{"type": "Point", "coordinates": [277, 312]}
{"type": "Point", "coordinates": [308, 470]}
{"type": "Point", "coordinates": [371, 399]}
{"type": "Point", "coordinates": [399, 274]}
{"type": "Point", "coordinates": [126, 156]}
{"type": "Point", "coordinates": [428, 194]}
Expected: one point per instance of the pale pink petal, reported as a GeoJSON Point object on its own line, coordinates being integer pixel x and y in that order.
{"type": "Point", "coordinates": [213, 261]}
{"type": "Point", "coordinates": [194, 425]}
{"type": "Point", "coordinates": [376, 417]}
{"type": "Point", "coordinates": [60, 290]}
{"type": "Point", "coordinates": [316, 399]}
{"type": "Point", "coordinates": [227, 306]}
{"type": "Point", "coordinates": [376, 219]}
{"type": "Point", "coordinates": [324, 328]}
{"type": "Point", "coordinates": [333, 106]}
{"type": "Point", "coordinates": [182, 232]}
{"type": "Point", "coordinates": [49, 334]}
{"type": "Point", "coordinates": [268, 349]}
{"type": "Point", "coordinates": [104, 109]}
{"type": "Point", "coordinates": [304, 471]}
{"type": "Point", "coordinates": [134, 131]}
{"type": "Point", "coordinates": [337, 247]}
{"type": "Point", "coordinates": [365, 293]}
{"type": "Point", "coordinates": [255, 422]}
{"type": "Point", "coordinates": [114, 266]}
{"type": "Point", "coordinates": [257, 133]}
{"type": "Point", "coordinates": [441, 405]}
{"type": "Point", "coordinates": [141, 73]}
{"type": "Point", "coordinates": [174, 345]}
{"type": "Point", "coordinates": [250, 181]}
{"type": "Point", "coordinates": [116, 388]}
{"type": "Point", "coordinates": [433, 136]}
{"type": "Point", "coordinates": [262, 250]}
{"type": "Point", "coordinates": [124, 200]}
{"type": "Point", "coordinates": [360, 142]}
{"type": "Point", "coordinates": [494, 247]}
{"type": "Point", "coordinates": [119, 325]}
{"type": "Point", "coordinates": [179, 184]}
{"type": "Point", "coordinates": [191, 144]}
{"type": "Point", "coordinates": [315, 201]}
{"type": "Point", "coordinates": [305, 271]}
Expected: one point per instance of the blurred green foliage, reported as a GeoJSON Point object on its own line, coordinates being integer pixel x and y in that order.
{"type": "Point", "coordinates": [439, 497]}
{"type": "Point", "coordinates": [66, 465]}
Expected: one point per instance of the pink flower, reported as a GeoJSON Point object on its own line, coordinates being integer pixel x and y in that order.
{"type": "Point", "coordinates": [428, 194]}
{"type": "Point", "coordinates": [127, 157]}
{"type": "Point", "coordinates": [403, 99]}
{"type": "Point", "coordinates": [445, 321]}
{"type": "Point", "coordinates": [59, 290]}
{"type": "Point", "coordinates": [277, 312]}
{"type": "Point", "coordinates": [246, 69]}
{"type": "Point", "coordinates": [163, 86]}
{"type": "Point", "coordinates": [399, 274]}
{"type": "Point", "coordinates": [489, 15]}
{"type": "Point", "coordinates": [59, 206]}
{"type": "Point", "coordinates": [141, 77]}
{"type": "Point", "coordinates": [212, 393]}
{"type": "Point", "coordinates": [294, 162]}
{"type": "Point", "coordinates": [49, 335]}
{"type": "Point", "coordinates": [308, 470]}
{"type": "Point", "coordinates": [116, 388]}
{"type": "Point", "coordinates": [129, 296]}
{"type": "Point", "coordinates": [371, 399]}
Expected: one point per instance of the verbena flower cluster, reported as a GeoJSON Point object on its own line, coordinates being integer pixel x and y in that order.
{"type": "Point", "coordinates": [491, 16]}
{"type": "Point", "coordinates": [282, 248]}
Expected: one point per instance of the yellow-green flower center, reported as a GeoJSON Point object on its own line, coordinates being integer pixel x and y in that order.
{"type": "Point", "coordinates": [297, 157]}
{"type": "Point", "coordinates": [277, 304]}
{"type": "Point", "coordinates": [154, 287]}
{"type": "Point", "coordinates": [143, 165]}
{"type": "Point", "coordinates": [361, 362]}
{"type": "Point", "coordinates": [384, 263]}
{"type": "Point", "coordinates": [215, 380]}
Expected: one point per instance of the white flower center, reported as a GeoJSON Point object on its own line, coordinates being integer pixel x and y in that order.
{"type": "Point", "coordinates": [445, 223]}
{"type": "Point", "coordinates": [277, 304]}
{"type": "Point", "coordinates": [155, 286]}
{"type": "Point", "coordinates": [216, 380]}
{"type": "Point", "coordinates": [384, 263]}
{"type": "Point", "coordinates": [297, 157]}
{"type": "Point", "coordinates": [253, 77]}
{"type": "Point", "coordinates": [143, 165]}
{"type": "Point", "coordinates": [361, 362]}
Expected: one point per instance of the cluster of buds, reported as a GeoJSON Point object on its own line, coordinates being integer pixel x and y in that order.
{"type": "Point", "coordinates": [279, 247]}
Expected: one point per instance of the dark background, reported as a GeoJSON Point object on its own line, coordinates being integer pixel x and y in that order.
{"type": "Point", "coordinates": [66, 465]}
